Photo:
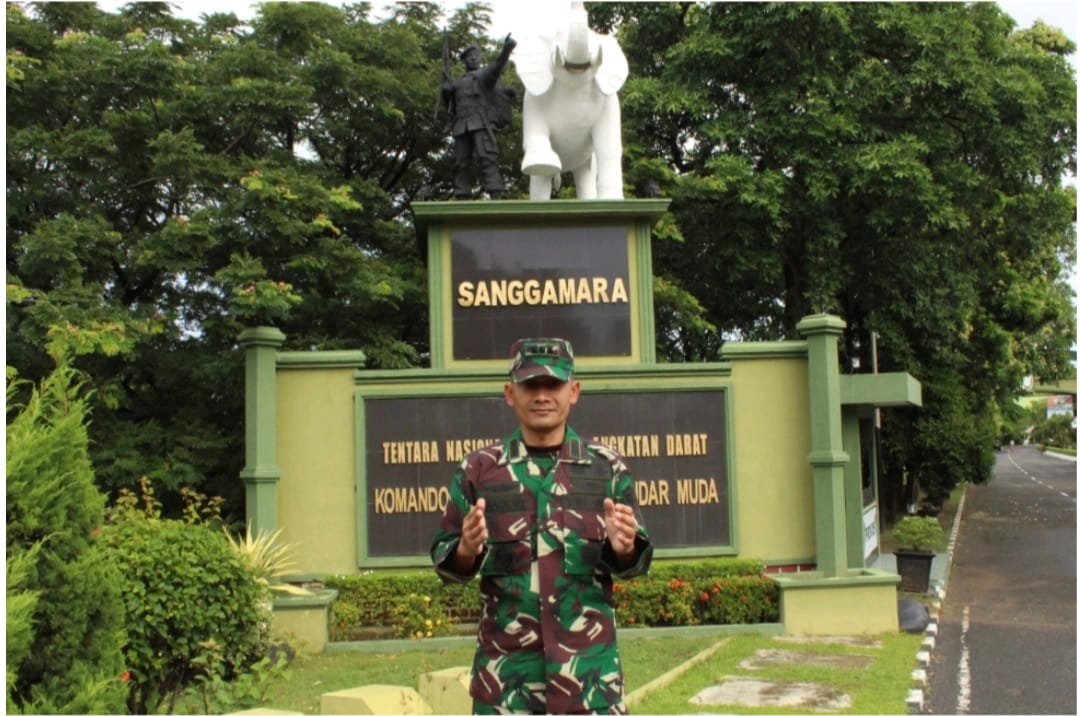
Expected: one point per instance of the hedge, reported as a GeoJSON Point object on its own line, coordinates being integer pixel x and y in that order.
{"type": "Point", "coordinates": [417, 605]}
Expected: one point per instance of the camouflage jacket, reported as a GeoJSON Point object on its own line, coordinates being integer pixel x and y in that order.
{"type": "Point", "coordinates": [546, 638]}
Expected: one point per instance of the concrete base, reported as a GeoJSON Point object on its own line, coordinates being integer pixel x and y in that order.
{"type": "Point", "coordinates": [375, 699]}
{"type": "Point", "coordinates": [302, 620]}
{"type": "Point", "coordinates": [447, 691]}
{"type": "Point", "coordinates": [863, 602]}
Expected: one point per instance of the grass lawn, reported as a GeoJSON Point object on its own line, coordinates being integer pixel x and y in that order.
{"type": "Point", "coordinates": [644, 659]}
{"type": "Point", "coordinates": [879, 688]}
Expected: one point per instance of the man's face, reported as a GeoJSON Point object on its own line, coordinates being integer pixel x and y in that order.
{"type": "Point", "coordinates": [472, 59]}
{"type": "Point", "coordinates": [542, 406]}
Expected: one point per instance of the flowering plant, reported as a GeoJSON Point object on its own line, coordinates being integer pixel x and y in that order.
{"type": "Point", "coordinates": [416, 617]}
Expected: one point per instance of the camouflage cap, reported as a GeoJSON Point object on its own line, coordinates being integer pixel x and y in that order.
{"type": "Point", "coordinates": [535, 357]}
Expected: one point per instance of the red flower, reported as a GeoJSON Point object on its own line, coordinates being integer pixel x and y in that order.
{"type": "Point", "coordinates": [125, 677]}
{"type": "Point", "coordinates": [704, 596]}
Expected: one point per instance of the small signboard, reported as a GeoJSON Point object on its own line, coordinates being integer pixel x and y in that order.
{"type": "Point", "coordinates": [568, 281]}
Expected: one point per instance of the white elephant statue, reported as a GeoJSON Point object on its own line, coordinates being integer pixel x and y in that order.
{"type": "Point", "coordinates": [570, 119]}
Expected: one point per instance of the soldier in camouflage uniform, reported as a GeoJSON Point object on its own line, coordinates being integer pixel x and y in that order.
{"type": "Point", "coordinates": [546, 518]}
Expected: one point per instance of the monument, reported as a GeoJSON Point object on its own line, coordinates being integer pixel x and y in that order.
{"type": "Point", "coordinates": [766, 453]}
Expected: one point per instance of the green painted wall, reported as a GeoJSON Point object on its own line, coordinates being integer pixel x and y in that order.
{"type": "Point", "coordinates": [772, 482]}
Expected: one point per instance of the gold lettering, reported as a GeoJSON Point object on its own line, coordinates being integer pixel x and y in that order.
{"type": "Point", "coordinates": [532, 292]}
{"type": "Point", "coordinates": [632, 445]}
{"type": "Point", "coordinates": [513, 294]}
{"type": "Point", "coordinates": [600, 290]}
{"type": "Point", "coordinates": [550, 295]}
{"type": "Point", "coordinates": [693, 444]}
{"type": "Point", "coordinates": [410, 452]}
{"type": "Point", "coordinates": [697, 491]}
{"type": "Point", "coordinates": [566, 291]}
{"type": "Point", "coordinates": [465, 294]}
{"type": "Point", "coordinates": [395, 500]}
{"type": "Point", "coordinates": [652, 492]}
{"type": "Point", "coordinates": [583, 295]}
{"type": "Point", "coordinates": [483, 298]}
{"type": "Point", "coordinates": [618, 292]}
{"type": "Point", "coordinates": [456, 450]}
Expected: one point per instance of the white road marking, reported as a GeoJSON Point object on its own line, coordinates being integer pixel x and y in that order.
{"type": "Point", "coordinates": [963, 676]}
{"type": "Point", "coordinates": [1037, 481]}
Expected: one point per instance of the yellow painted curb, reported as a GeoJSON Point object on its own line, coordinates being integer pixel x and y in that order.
{"type": "Point", "coordinates": [637, 695]}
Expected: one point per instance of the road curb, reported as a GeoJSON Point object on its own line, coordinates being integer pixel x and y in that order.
{"type": "Point", "coordinates": [1059, 456]}
{"type": "Point", "coordinates": [916, 700]}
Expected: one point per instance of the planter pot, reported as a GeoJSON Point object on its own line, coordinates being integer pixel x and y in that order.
{"type": "Point", "coordinates": [913, 566]}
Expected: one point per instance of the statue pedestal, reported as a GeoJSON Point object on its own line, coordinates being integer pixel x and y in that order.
{"type": "Point", "coordinates": [503, 270]}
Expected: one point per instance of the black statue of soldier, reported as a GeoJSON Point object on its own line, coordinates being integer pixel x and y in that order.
{"type": "Point", "coordinates": [479, 105]}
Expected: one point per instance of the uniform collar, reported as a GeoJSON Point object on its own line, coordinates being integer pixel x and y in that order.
{"type": "Point", "coordinates": [573, 449]}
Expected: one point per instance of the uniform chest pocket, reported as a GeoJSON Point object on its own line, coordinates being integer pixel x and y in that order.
{"type": "Point", "coordinates": [581, 518]}
{"type": "Point", "coordinates": [509, 519]}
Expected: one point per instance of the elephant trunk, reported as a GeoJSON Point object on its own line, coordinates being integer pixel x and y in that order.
{"type": "Point", "coordinates": [577, 38]}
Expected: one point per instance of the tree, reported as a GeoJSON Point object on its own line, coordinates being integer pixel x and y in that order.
{"type": "Point", "coordinates": [64, 645]}
{"type": "Point", "coordinates": [898, 164]}
{"type": "Point", "coordinates": [171, 182]}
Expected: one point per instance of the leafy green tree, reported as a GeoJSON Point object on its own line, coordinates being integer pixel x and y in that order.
{"type": "Point", "coordinates": [899, 164]}
{"type": "Point", "coordinates": [21, 603]}
{"type": "Point", "coordinates": [1058, 431]}
{"type": "Point", "coordinates": [65, 630]}
{"type": "Point", "coordinates": [171, 182]}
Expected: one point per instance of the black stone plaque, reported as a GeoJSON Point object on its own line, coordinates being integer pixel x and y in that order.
{"type": "Point", "coordinates": [674, 442]}
{"type": "Point", "coordinates": [569, 282]}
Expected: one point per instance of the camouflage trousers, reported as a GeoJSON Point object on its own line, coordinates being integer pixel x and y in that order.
{"type": "Point", "coordinates": [488, 709]}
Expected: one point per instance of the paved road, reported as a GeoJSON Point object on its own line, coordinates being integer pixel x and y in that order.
{"type": "Point", "coordinates": [1007, 632]}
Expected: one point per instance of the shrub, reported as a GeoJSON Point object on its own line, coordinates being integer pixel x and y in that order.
{"type": "Point", "coordinates": [374, 600]}
{"type": "Point", "coordinates": [1057, 431]}
{"type": "Point", "coordinates": [670, 595]}
{"type": "Point", "coordinates": [68, 618]}
{"type": "Point", "coordinates": [194, 608]}
{"type": "Point", "coordinates": [417, 617]}
{"type": "Point", "coordinates": [922, 534]}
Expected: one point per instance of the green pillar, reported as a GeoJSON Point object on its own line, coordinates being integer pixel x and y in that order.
{"type": "Point", "coordinates": [260, 473]}
{"type": "Point", "coordinates": [827, 454]}
{"type": "Point", "coordinates": [853, 494]}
